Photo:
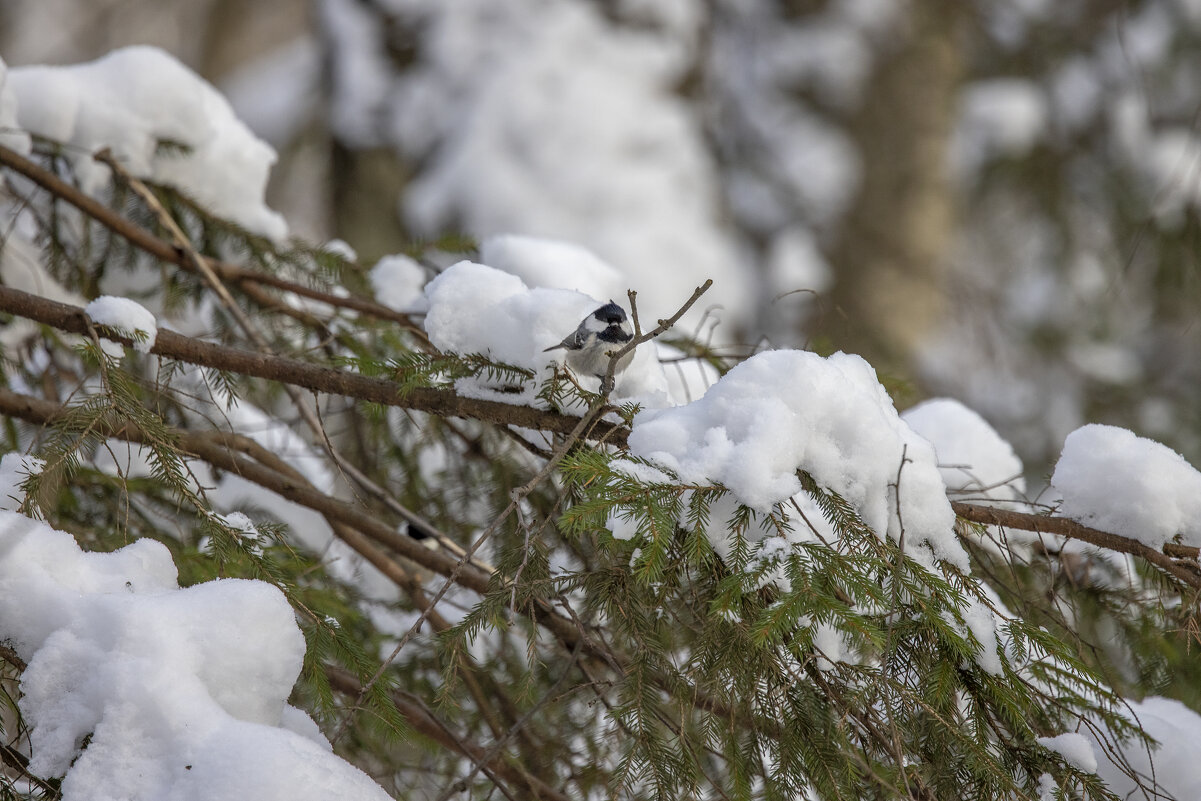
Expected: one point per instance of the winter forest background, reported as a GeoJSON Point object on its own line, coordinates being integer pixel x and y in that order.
{"type": "Point", "coordinates": [995, 202]}
{"type": "Point", "coordinates": [994, 199]}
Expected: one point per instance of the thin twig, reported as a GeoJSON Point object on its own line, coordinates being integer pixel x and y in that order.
{"type": "Point", "coordinates": [1043, 524]}
{"type": "Point", "coordinates": [496, 747]}
{"type": "Point", "coordinates": [615, 356]}
{"type": "Point", "coordinates": [419, 716]}
{"type": "Point", "coordinates": [515, 499]}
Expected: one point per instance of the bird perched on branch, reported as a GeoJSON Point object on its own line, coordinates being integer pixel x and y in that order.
{"type": "Point", "coordinates": [604, 331]}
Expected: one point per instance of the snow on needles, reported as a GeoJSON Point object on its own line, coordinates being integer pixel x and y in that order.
{"type": "Point", "coordinates": [161, 120]}
{"type": "Point", "coordinates": [127, 317]}
{"type": "Point", "coordinates": [783, 411]}
{"type": "Point", "coordinates": [180, 694]}
{"type": "Point", "coordinates": [1113, 480]}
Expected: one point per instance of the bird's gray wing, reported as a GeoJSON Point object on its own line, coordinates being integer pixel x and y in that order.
{"type": "Point", "coordinates": [573, 341]}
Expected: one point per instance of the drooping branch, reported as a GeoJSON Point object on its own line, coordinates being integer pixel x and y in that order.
{"type": "Point", "coordinates": [219, 455]}
{"type": "Point", "coordinates": [439, 402]}
{"type": "Point", "coordinates": [160, 249]}
{"type": "Point", "coordinates": [1167, 559]}
{"type": "Point", "coordinates": [571, 633]}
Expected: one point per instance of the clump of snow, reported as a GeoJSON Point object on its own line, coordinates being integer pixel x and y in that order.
{"type": "Point", "coordinates": [180, 693]}
{"type": "Point", "coordinates": [341, 248]}
{"type": "Point", "coordinates": [553, 264]}
{"type": "Point", "coordinates": [11, 136]}
{"type": "Point", "coordinates": [14, 469]}
{"type": "Point", "coordinates": [829, 644]}
{"type": "Point", "coordinates": [622, 528]}
{"type": "Point", "coordinates": [1115, 481]}
{"type": "Point", "coordinates": [783, 411]}
{"type": "Point", "coordinates": [161, 120]}
{"type": "Point", "coordinates": [474, 308]}
{"type": "Point", "coordinates": [239, 521]}
{"type": "Point", "coordinates": [639, 471]}
{"type": "Point", "coordinates": [1074, 748]}
{"type": "Point", "coordinates": [127, 317]}
{"type": "Point", "coordinates": [982, 622]}
{"type": "Point", "coordinates": [398, 282]}
{"type": "Point", "coordinates": [972, 457]}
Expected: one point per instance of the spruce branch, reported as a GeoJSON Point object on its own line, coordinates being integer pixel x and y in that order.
{"type": "Point", "coordinates": [317, 378]}
{"type": "Point", "coordinates": [165, 251]}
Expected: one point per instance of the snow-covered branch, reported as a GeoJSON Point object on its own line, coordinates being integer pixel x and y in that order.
{"type": "Point", "coordinates": [317, 378]}
{"type": "Point", "coordinates": [1178, 560]}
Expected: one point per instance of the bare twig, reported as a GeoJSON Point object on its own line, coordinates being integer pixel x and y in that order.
{"type": "Point", "coordinates": [1043, 524]}
{"type": "Point", "coordinates": [500, 743]}
{"type": "Point", "coordinates": [615, 356]}
{"type": "Point", "coordinates": [516, 498]}
{"type": "Point", "coordinates": [419, 716]}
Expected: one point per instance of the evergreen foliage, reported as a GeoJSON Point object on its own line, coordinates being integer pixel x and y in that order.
{"type": "Point", "coordinates": [683, 661]}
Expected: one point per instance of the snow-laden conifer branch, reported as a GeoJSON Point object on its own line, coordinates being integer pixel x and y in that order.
{"type": "Point", "coordinates": [160, 249]}
{"type": "Point", "coordinates": [313, 377]}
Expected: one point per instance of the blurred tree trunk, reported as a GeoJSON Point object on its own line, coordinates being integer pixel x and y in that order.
{"type": "Point", "coordinates": [890, 258]}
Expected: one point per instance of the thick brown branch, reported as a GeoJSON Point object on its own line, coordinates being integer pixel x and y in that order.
{"type": "Point", "coordinates": [440, 402]}
{"type": "Point", "coordinates": [1043, 524]}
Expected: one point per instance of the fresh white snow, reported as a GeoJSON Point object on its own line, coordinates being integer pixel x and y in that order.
{"type": "Point", "coordinates": [1074, 748]}
{"type": "Point", "coordinates": [783, 411]}
{"type": "Point", "coordinates": [398, 282]}
{"type": "Point", "coordinates": [182, 693]}
{"type": "Point", "coordinates": [127, 317]}
{"type": "Point", "coordinates": [972, 457]}
{"type": "Point", "coordinates": [163, 122]}
{"type": "Point", "coordinates": [554, 264]}
{"type": "Point", "coordinates": [1113, 480]}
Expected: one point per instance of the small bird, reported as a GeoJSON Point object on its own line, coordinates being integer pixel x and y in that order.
{"type": "Point", "coordinates": [606, 329]}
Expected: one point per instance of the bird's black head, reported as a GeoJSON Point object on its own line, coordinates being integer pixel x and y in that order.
{"type": "Point", "coordinates": [611, 314]}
